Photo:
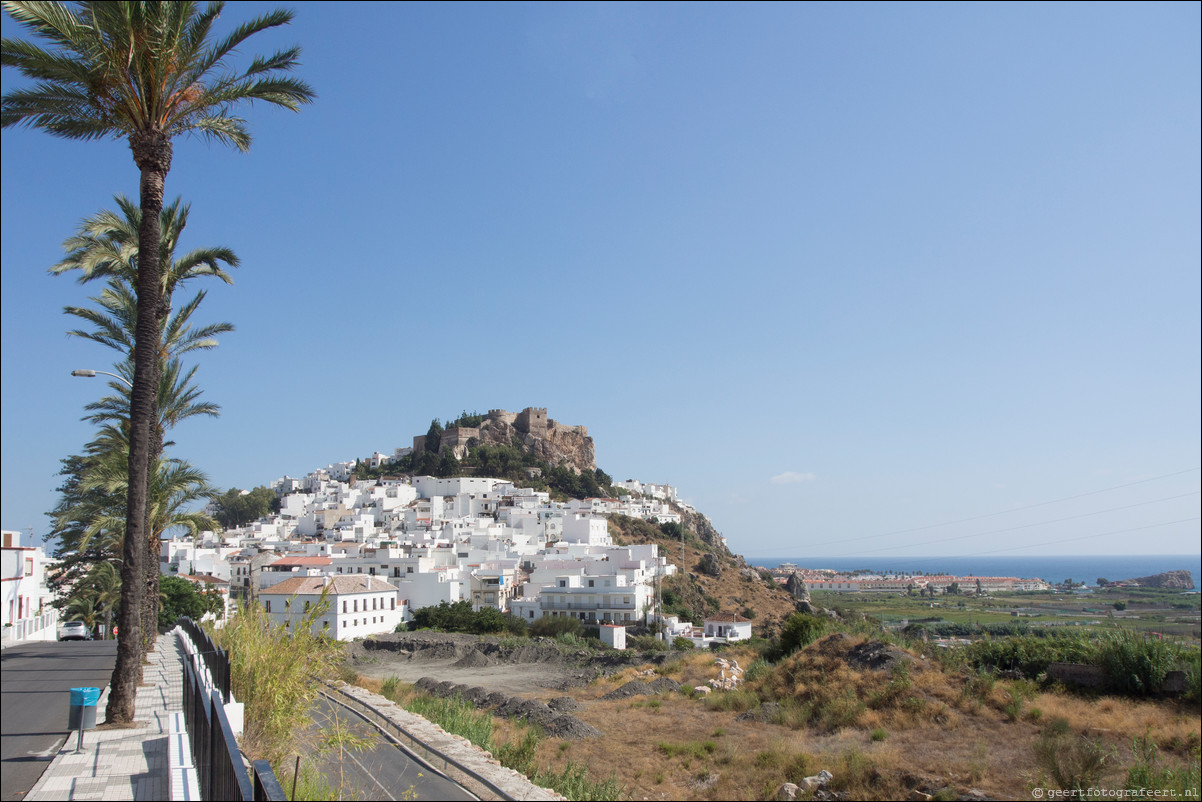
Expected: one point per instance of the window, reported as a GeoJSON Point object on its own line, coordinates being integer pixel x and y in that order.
{"type": "Point", "coordinates": [393, 604]}
{"type": "Point", "coordinates": [307, 604]}
{"type": "Point", "coordinates": [267, 606]}
{"type": "Point", "coordinates": [344, 605]}
{"type": "Point", "coordinates": [356, 605]}
{"type": "Point", "coordinates": [590, 583]}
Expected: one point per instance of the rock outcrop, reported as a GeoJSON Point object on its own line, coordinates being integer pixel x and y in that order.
{"type": "Point", "coordinates": [531, 430]}
{"type": "Point", "coordinates": [1171, 580]}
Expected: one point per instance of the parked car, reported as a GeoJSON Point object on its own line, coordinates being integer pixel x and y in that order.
{"type": "Point", "coordinates": [74, 630]}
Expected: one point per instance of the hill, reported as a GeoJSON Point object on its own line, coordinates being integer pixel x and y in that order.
{"type": "Point", "coordinates": [711, 579]}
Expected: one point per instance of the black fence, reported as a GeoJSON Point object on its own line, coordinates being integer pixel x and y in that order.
{"type": "Point", "coordinates": [215, 658]}
{"type": "Point", "coordinates": [220, 771]}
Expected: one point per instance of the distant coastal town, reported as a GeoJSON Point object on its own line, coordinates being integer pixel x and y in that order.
{"type": "Point", "coordinates": [820, 579]}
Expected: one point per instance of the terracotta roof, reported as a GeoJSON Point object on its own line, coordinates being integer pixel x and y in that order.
{"type": "Point", "coordinates": [302, 562]}
{"type": "Point", "coordinates": [208, 579]}
{"type": "Point", "coordinates": [312, 585]}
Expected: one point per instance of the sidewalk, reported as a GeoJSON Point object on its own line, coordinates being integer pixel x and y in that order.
{"type": "Point", "coordinates": [128, 763]}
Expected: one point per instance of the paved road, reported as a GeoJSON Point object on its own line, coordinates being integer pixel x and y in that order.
{"type": "Point", "coordinates": [34, 683]}
{"type": "Point", "coordinates": [382, 772]}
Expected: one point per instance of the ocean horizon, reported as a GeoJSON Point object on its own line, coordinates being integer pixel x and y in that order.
{"type": "Point", "coordinates": [1079, 568]}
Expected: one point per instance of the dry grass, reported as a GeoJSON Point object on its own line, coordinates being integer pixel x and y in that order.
{"type": "Point", "coordinates": [944, 730]}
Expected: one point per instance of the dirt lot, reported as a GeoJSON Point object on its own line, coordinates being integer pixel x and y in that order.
{"type": "Point", "coordinates": [470, 660]}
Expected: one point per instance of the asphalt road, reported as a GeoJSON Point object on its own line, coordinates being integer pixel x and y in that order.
{"type": "Point", "coordinates": [382, 771]}
{"type": "Point", "coordinates": [34, 683]}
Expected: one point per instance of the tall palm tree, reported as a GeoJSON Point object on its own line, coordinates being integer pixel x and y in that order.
{"type": "Point", "coordinates": [106, 245]}
{"type": "Point", "coordinates": [103, 586]}
{"type": "Point", "coordinates": [145, 72]}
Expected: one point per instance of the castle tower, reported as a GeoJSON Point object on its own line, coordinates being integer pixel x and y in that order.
{"type": "Point", "coordinates": [532, 420]}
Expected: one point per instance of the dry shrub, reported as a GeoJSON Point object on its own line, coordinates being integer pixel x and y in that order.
{"type": "Point", "coordinates": [275, 671]}
{"type": "Point", "coordinates": [1128, 717]}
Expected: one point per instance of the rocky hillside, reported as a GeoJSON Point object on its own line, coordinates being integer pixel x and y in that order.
{"type": "Point", "coordinates": [711, 578]}
{"type": "Point", "coordinates": [554, 444]}
{"type": "Point", "coordinates": [1173, 580]}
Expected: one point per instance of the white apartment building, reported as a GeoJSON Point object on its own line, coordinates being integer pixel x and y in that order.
{"type": "Point", "coordinates": [25, 610]}
{"type": "Point", "coordinates": [358, 606]}
{"type": "Point", "coordinates": [608, 599]}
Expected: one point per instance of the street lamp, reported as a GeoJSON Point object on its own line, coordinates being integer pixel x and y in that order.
{"type": "Point", "coordinates": [91, 374]}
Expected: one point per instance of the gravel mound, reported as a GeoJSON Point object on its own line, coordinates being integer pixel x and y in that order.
{"type": "Point", "coordinates": [640, 688]}
{"type": "Point", "coordinates": [563, 704]}
{"type": "Point", "coordinates": [476, 695]}
{"type": "Point", "coordinates": [571, 728]}
{"type": "Point", "coordinates": [767, 712]}
{"type": "Point", "coordinates": [635, 688]}
{"type": "Point", "coordinates": [473, 659]}
{"type": "Point", "coordinates": [876, 656]}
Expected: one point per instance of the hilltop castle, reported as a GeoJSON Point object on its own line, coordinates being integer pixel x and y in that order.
{"type": "Point", "coordinates": [547, 439]}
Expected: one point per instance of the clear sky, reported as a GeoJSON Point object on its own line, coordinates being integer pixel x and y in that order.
{"type": "Point", "coordinates": [847, 275]}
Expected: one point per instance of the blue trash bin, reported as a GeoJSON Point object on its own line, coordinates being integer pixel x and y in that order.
{"type": "Point", "coordinates": [82, 714]}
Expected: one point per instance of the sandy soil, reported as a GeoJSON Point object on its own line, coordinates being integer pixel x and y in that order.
{"type": "Point", "coordinates": [468, 660]}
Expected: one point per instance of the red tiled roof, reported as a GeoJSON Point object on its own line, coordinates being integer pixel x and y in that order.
{"type": "Point", "coordinates": [312, 585]}
{"type": "Point", "coordinates": [302, 562]}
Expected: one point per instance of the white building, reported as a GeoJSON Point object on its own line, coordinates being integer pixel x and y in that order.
{"type": "Point", "coordinates": [728, 626]}
{"type": "Point", "coordinates": [598, 599]}
{"type": "Point", "coordinates": [25, 610]}
{"type": "Point", "coordinates": [357, 606]}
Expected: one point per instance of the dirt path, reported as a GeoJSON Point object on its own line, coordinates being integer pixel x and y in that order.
{"type": "Point", "coordinates": [468, 660]}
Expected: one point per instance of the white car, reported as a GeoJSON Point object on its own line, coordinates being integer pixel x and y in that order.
{"type": "Point", "coordinates": [74, 630]}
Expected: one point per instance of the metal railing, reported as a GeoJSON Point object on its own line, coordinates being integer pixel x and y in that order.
{"type": "Point", "coordinates": [215, 658]}
{"type": "Point", "coordinates": [220, 770]}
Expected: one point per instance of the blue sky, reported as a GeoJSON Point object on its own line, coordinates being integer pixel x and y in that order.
{"type": "Point", "coordinates": [838, 272]}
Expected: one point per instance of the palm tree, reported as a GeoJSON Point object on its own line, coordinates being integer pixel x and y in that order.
{"type": "Point", "coordinates": [145, 72]}
{"type": "Point", "coordinates": [106, 245]}
{"type": "Point", "coordinates": [83, 608]}
{"type": "Point", "coordinates": [102, 586]}
{"type": "Point", "coordinates": [175, 487]}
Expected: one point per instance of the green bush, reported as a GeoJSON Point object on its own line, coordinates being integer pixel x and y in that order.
{"type": "Point", "coordinates": [550, 627]}
{"type": "Point", "coordinates": [459, 617]}
{"type": "Point", "coordinates": [1149, 771]}
{"type": "Point", "coordinates": [1072, 763]}
{"type": "Point", "coordinates": [1029, 655]}
{"type": "Point", "coordinates": [799, 631]}
{"type": "Point", "coordinates": [1134, 663]}
{"type": "Point", "coordinates": [646, 643]}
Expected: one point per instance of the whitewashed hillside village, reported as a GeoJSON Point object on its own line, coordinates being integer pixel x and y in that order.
{"type": "Point", "coordinates": [381, 548]}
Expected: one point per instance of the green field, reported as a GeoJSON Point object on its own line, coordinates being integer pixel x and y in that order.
{"type": "Point", "coordinates": [1149, 610]}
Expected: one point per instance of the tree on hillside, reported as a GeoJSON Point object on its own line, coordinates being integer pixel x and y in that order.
{"type": "Point", "coordinates": [145, 72]}
{"type": "Point", "coordinates": [236, 507]}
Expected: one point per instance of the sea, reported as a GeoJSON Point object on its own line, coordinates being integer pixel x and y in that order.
{"type": "Point", "coordinates": [1079, 568]}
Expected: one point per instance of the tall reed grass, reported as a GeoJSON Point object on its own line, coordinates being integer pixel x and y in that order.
{"type": "Point", "coordinates": [275, 672]}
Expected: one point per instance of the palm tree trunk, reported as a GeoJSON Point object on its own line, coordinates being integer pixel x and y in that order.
{"type": "Point", "coordinates": [150, 602]}
{"type": "Point", "coordinates": [152, 154]}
